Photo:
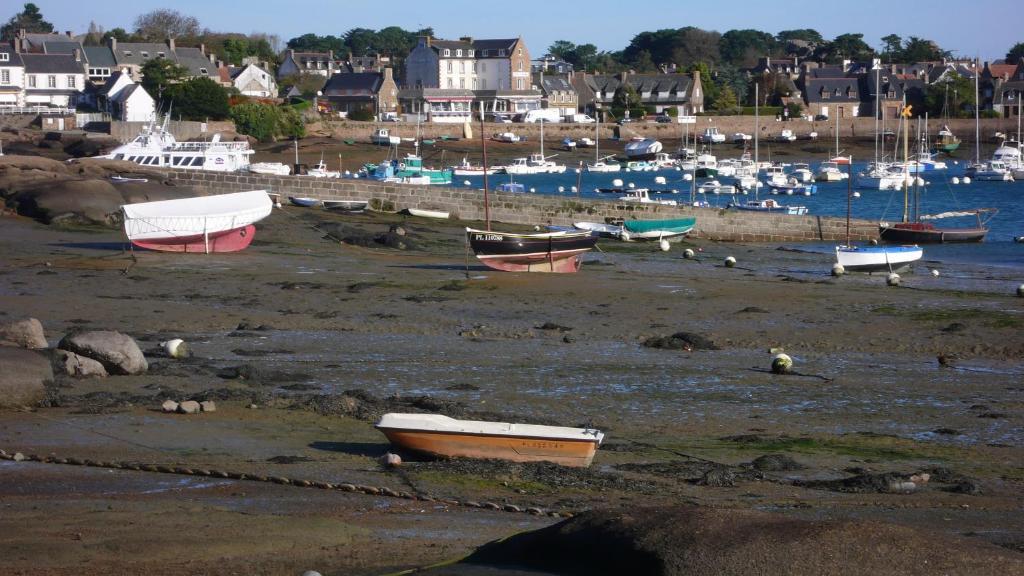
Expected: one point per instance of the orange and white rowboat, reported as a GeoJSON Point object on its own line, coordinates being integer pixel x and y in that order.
{"type": "Point", "coordinates": [443, 436]}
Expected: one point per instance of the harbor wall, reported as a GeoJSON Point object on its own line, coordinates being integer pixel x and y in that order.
{"type": "Point", "coordinates": [182, 130]}
{"type": "Point", "coordinates": [533, 209]}
{"type": "Point", "coordinates": [860, 128]}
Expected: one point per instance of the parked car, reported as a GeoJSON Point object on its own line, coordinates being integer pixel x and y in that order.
{"type": "Point", "coordinates": [622, 121]}
{"type": "Point", "coordinates": [580, 118]}
{"type": "Point", "coordinates": [549, 115]}
{"type": "Point", "coordinates": [663, 119]}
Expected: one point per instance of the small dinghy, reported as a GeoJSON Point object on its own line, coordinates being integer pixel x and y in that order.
{"type": "Point", "coordinates": [221, 223]}
{"type": "Point", "coordinates": [303, 201]}
{"type": "Point", "coordinates": [346, 205]}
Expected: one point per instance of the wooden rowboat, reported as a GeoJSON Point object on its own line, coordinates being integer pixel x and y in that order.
{"type": "Point", "coordinates": [304, 201]}
{"type": "Point", "coordinates": [443, 436]}
{"type": "Point", "coordinates": [346, 205]}
{"type": "Point", "coordinates": [221, 223]}
{"type": "Point", "coordinates": [428, 213]}
{"type": "Point", "coordinates": [542, 252]}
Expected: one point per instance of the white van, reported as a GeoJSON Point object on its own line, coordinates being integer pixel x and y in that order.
{"type": "Point", "coordinates": [549, 115]}
{"type": "Point", "coordinates": [579, 118]}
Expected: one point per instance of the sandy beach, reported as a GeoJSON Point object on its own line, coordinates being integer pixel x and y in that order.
{"type": "Point", "coordinates": [303, 341]}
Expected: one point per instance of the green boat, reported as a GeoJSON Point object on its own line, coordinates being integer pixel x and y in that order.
{"type": "Point", "coordinates": [946, 141]}
{"type": "Point", "coordinates": [657, 229]}
{"type": "Point", "coordinates": [409, 170]}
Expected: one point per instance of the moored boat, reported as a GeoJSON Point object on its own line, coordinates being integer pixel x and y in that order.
{"type": "Point", "coordinates": [270, 168]}
{"type": "Point", "coordinates": [439, 435]}
{"type": "Point", "coordinates": [422, 213]}
{"type": "Point", "coordinates": [221, 223]}
{"type": "Point", "coordinates": [768, 205]}
{"type": "Point", "coordinates": [877, 258]}
{"type": "Point", "coordinates": [540, 252]}
{"type": "Point", "coordinates": [657, 229]}
{"type": "Point", "coordinates": [346, 205]}
{"type": "Point", "coordinates": [303, 201]}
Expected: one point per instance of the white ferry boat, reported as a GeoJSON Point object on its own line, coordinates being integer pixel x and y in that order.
{"type": "Point", "coordinates": [155, 146]}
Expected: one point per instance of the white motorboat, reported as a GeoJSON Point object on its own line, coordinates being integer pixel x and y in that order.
{"type": "Point", "coordinates": [321, 171]}
{"type": "Point", "coordinates": [768, 205]}
{"type": "Point", "coordinates": [992, 171]}
{"type": "Point", "coordinates": [802, 173]}
{"type": "Point", "coordinates": [535, 164]}
{"type": "Point", "coordinates": [507, 137]}
{"type": "Point", "coordinates": [643, 196]}
{"type": "Point", "coordinates": [716, 187]}
{"type": "Point", "coordinates": [830, 172]}
{"type": "Point", "coordinates": [467, 169]}
{"type": "Point", "coordinates": [643, 148]}
{"type": "Point", "coordinates": [270, 168]}
{"type": "Point", "coordinates": [712, 135]}
{"type": "Point", "coordinates": [155, 146]}
{"type": "Point", "coordinates": [383, 137]}
{"type": "Point", "coordinates": [883, 177]}
{"type": "Point", "coordinates": [877, 258]}
{"type": "Point", "coordinates": [602, 166]}
{"type": "Point", "coordinates": [786, 136]}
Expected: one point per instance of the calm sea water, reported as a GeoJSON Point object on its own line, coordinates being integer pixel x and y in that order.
{"type": "Point", "coordinates": [939, 195]}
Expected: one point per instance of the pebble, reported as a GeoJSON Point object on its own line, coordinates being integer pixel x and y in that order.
{"type": "Point", "coordinates": [391, 460]}
{"type": "Point", "coordinates": [311, 573]}
{"type": "Point", "coordinates": [18, 457]}
{"type": "Point", "coordinates": [208, 406]}
{"type": "Point", "coordinates": [189, 407]}
{"type": "Point", "coordinates": [169, 406]}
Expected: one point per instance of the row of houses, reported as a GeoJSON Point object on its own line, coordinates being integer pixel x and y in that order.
{"type": "Point", "coordinates": [58, 71]}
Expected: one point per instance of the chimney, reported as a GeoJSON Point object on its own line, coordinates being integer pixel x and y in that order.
{"type": "Point", "coordinates": [112, 42]}
{"type": "Point", "coordinates": [202, 48]}
{"type": "Point", "coordinates": [466, 39]}
{"type": "Point", "coordinates": [78, 54]}
{"type": "Point", "coordinates": [68, 33]}
{"type": "Point", "coordinates": [170, 44]}
{"type": "Point", "coordinates": [388, 74]}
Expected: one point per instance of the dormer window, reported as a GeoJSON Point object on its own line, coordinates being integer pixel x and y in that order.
{"type": "Point", "coordinates": [458, 53]}
{"type": "Point", "coordinates": [470, 53]}
{"type": "Point", "coordinates": [127, 52]}
{"type": "Point", "coordinates": [501, 52]}
{"type": "Point", "coordinates": [485, 53]}
{"type": "Point", "coordinates": [203, 71]}
{"type": "Point", "coordinates": [161, 54]}
{"type": "Point", "coordinates": [4, 57]}
{"type": "Point", "coordinates": [144, 54]}
{"type": "Point", "coordinates": [447, 52]}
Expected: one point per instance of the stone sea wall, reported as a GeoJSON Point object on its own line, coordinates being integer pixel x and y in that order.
{"type": "Point", "coordinates": [533, 209]}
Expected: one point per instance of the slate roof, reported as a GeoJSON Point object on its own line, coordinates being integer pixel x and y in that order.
{"type": "Point", "coordinates": [109, 84]}
{"type": "Point", "coordinates": [1012, 89]}
{"type": "Point", "coordinates": [826, 72]}
{"type": "Point", "coordinates": [353, 84]}
{"type": "Point", "coordinates": [52, 64]}
{"type": "Point", "coordinates": [895, 86]}
{"type": "Point", "coordinates": [676, 86]}
{"type": "Point", "coordinates": [556, 84]}
{"type": "Point", "coordinates": [123, 95]}
{"type": "Point", "coordinates": [837, 90]}
{"type": "Point", "coordinates": [63, 46]}
{"type": "Point", "coordinates": [131, 52]}
{"type": "Point", "coordinates": [478, 46]}
{"type": "Point", "coordinates": [13, 58]}
{"type": "Point", "coordinates": [100, 57]}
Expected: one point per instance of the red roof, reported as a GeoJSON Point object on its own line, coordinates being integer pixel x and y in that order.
{"type": "Point", "coordinates": [1002, 70]}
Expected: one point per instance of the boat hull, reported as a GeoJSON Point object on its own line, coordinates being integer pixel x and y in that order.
{"type": "Point", "coordinates": [578, 453]}
{"type": "Point", "coordinates": [346, 205]}
{"type": "Point", "coordinates": [303, 202]}
{"type": "Point", "coordinates": [656, 229]}
{"type": "Point", "coordinates": [229, 241]}
{"type": "Point", "coordinates": [550, 252]}
{"type": "Point", "coordinates": [877, 258]}
{"type": "Point", "coordinates": [913, 233]}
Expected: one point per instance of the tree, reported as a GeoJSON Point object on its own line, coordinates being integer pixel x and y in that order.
{"type": "Point", "coordinates": [921, 50]}
{"type": "Point", "coordinates": [266, 122]}
{"type": "Point", "coordinates": [561, 49]}
{"type": "Point", "coordinates": [626, 98]}
{"type": "Point", "coordinates": [695, 45]}
{"type": "Point", "coordinates": [360, 40]}
{"type": "Point", "coordinates": [119, 34]}
{"type": "Point", "coordinates": [29, 19]}
{"type": "Point", "coordinates": [734, 78]}
{"type": "Point", "coordinates": [847, 47]}
{"type": "Point", "coordinates": [743, 47]}
{"type": "Point", "coordinates": [1016, 53]}
{"type": "Point", "coordinates": [159, 74]}
{"type": "Point", "coordinates": [94, 37]}
{"type": "Point", "coordinates": [726, 100]}
{"type": "Point", "coordinates": [893, 45]}
{"type": "Point", "coordinates": [159, 25]}
{"type": "Point", "coordinates": [199, 99]}
{"type": "Point", "coordinates": [805, 34]}
{"type": "Point", "coordinates": [951, 97]}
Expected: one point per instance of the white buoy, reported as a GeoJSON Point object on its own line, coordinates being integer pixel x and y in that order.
{"type": "Point", "coordinates": [782, 363]}
{"type": "Point", "coordinates": [955, 180]}
{"type": "Point", "coordinates": [678, 169]}
{"type": "Point", "coordinates": [687, 177]}
{"type": "Point", "coordinates": [628, 170]}
{"type": "Point", "coordinates": [664, 245]}
{"type": "Point", "coordinates": [631, 185]}
{"type": "Point", "coordinates": [310, 573]}
{"type": "Point", "coordinates": [688, 254]}
{"type": "Point", "coordinates": [730, 262]}
{"type": "Point", "coordinates": [1020, 290]}
{"type": "Point", "coordinates": [561, 189]}
{"type": "Point", "coordinates": [577, 170]}
{"type": "Point", "coordinates": [659, 180]}
{"type": "Point", "coordinates": [935, 272]}
{"type": "Point", "coordinates": [617, 183]}
{"type": "Point", "coordinates": [807, 192]}
{"type": "Point", "coordinates": [893, 279]}
{"type": "Point", "coordinates": [466, 182]}
{"type": "Point", "coordinates": [966, 180]}
{"type": "Point", "coordinates": [919, 181]}
{"type": "Point", "coordinates": [856, 194]}
{"type": "Point", "coordinates": [533, 189]}
{"type": "Point", "coordinates": [956, 162]}
{"type": "Point", "coordinates": [573, 190]}
{"type": "Point", "coordinates": [347, 173]}
{"type": "Point", "coordinates": [176, 348]}
{"type": "Point", "coordinates": [744, 192]}
{"type": "Point", "coordinates": [838, 270]}
{"type": "Point", "coordinates": [355, 175]}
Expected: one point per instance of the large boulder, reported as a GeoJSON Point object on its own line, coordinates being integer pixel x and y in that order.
{"type": "Point", "coordinates": [118, 353]}
{"type": "Point", "coordinates": [27, 333]}
{"type": "Point", "coordinates": [72, 201]}
{"type": "Point", "coordinates": [690, 540]}
{"type": "Point", "coordinates": [23, 377]}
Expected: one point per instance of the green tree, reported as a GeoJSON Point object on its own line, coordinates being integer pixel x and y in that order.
{"type": "Point", "coordinates": [314, 43]}
{"type": "Point", "coordinates": [643, 62]}
{"type": "Point", "coordinates": [805, 34]}
{"type": "Point", "coordinates": [29, 19]}
{"type": "Point", "coordinates": [694, 45]}
{"type": "Point", "coordinates": [360, 40]}
{"type": "Point", "coordinates": [561, 49]}
{"type": "Point", "coordinates": [951, 97]}
{"type": "Point", "coordinates": [921, 50]}
{"type": "Point", "coordinates": [199, 99]}
{"type": "Point", "coordinates": [1013, 55]}
{"type": "Point", "coordinates": [893, 46]}
{"type": "Point", "coordinates": [726, 100]}
{"type": "Point", "coordinates": [159, 74]}
{"type": "Point", "coordinates": [255, 119]}
{"type": "Point", "coordinates": [235, 49]}
{"type": "Point", "coordinates": [846, 47]}
{"type": "Point", "coordinates": [626, 98]}
{"type": "Point", "coordinates": [743, 47]}
{"type": "Point", "coordinates": [119, 34]}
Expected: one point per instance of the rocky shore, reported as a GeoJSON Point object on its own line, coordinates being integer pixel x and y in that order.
{"type": "Point", "coordinates": [900, 421]}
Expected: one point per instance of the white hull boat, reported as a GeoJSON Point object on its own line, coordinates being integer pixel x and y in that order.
{"type": "Point", "coordinates": [270, 168]}
{"type": "Point", "coordinates": [877, 258]}
{"type": "Point", "coordinates": [221, 223]}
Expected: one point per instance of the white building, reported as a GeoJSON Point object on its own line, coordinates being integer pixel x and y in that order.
{"type": "Point", "coordinates": [53, 79]}
{"type": "Point", "coordinates": [12, 78]}
{"type": "Point", "coordinates": [251, 80]}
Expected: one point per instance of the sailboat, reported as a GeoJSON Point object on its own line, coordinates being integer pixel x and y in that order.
{"type": "Point", "coordinates": [946, 141]}
{"type": "Point", "coordinates": [829, 171]}
{"type": "Point", "coordinates": [558, 251]}
{"type": "Point", "coordinates": [536, 163]}
{"type": "Point", "coordinates": [599, 164]}
{"type": "Point", "coordinates": [872, 258]}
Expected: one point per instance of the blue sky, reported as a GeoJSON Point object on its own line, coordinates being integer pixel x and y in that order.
{"type": "Point", "coordinates": [982, 27]}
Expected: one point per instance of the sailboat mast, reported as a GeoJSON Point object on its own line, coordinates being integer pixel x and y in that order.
{"type": "Point", "coordinates": [849, 195]}
{"type": "Point", "coordinates": [541, 138]}
{"type": "Point", "coordinates": [977, 116]}
{"type": "Point", "coordinates": [757, 134]}
{"type": "Point", "coordinates": [877, 88]}
{"type": "Point", "coordinates": [597, 138]}
{"type": "Point", "coordinates": [904, 117]}
{"type": "Point", "coordinates": [483, 146]}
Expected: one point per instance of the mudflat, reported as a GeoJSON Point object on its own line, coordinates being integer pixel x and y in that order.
{"type": "Point", "coordinates": [905, 406]}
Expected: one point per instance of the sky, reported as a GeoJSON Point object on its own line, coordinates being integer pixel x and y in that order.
{"type": "Point", "coordinates": [985, 28]}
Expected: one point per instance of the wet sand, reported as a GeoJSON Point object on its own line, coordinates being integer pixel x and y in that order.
{"type": "Point", "coordinates": [870, 395]}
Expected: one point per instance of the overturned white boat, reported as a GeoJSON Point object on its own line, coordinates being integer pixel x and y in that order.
{"type": "Point", "coordinates": [221, 223]}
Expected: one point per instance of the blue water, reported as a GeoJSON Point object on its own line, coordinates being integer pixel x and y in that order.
{"type": "Point", "coordinates": [939, 195]}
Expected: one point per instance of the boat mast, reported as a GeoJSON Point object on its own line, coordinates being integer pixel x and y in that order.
{"type": "Point", "coordinates": [977, 116]}
{"type": "Point", "coordinates": [597, 138]}
{"type": "Point", "coordinates": [757, 134]}
{"type": "Point", "coordinates": [904, 118]}
{"type": "Point", "coordinates": [849, 195]}
{"type": "Point", "coordinates": [541, 120]}
{"type": "Point", "coordinates": [483, 145]}
{"type": "Point", "coordinates": [837, 133]}
{"type": "Point", "coordinates": [877, 88]}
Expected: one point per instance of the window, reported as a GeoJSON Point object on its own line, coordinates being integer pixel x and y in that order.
{"type": "Point", "coordinates": [127, 52]}
{"type": "Point", "coordinates": [4, 57]}
{"type": "Point", "coordinates": [160, 54]}
{"type": "Point", "coordinates": [470, 53]}
{"type": "Point", "coordinates": [520, 65]}
{"type": "Point", "coordinates": [483, 66]}
{"type": "Point", "coordinates": [501, 52]}
{"type": "Point", "coordinates": [458, 53]}
{"type": "Point", "coordinates": [474, 83]}
{"type": "Point", "coordinates": [32, 81]}
{"type": "Point", "coordinates": [71, 81]}
{"type": "Point", "coordinates": [5, 76]}
{"type": "Point", "coordinates": [449, 66]}
{"type": "Point", "coordinates": [462, 82]}
{"type": "Point", "coordinates": [447, 52]}
{"type": "Point", "coordinates": [485, 53]}
{"type": "Point", "coordinates": [520, 51]}
{"type": "Point", "coordinates": [519, 83]}
{"type": "Point", "coordinates": [144, 54]}
{"type": "Point", "coordinates": [462, 66]}
{"type": "Point", "coordinates": [203, 71]}
{"type": "Point", "coordinates": [451, 83]}
{"type": "Point", "coordinates": [51, 81]}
